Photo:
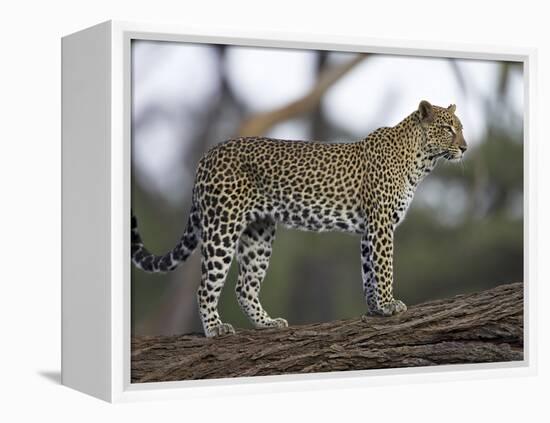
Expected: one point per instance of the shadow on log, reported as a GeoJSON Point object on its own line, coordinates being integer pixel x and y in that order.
{"type": "Point", "coordinates": [475, 328]}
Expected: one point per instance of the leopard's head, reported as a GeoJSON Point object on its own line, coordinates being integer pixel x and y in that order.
{"type": "Point", "coordinates": [442, 132]}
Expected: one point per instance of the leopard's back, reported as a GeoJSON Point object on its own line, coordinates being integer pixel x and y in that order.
{"type": "Point", "coordinates": [302, 184]}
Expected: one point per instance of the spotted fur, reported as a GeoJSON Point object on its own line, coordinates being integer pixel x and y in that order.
{"type": "Point", "coordinates": [244, 187]}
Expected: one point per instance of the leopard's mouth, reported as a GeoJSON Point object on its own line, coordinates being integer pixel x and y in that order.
{"type": "Point", "coordinates": [453, 156]}
{"type": "Point", "coordinates": [438, 155]}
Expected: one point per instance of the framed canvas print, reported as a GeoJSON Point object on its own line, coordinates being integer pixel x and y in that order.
{"type": "Point", "coordinates": [246, 212]}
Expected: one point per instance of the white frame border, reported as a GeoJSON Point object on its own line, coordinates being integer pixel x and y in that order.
{"type": "Point", "coordinates": [121, 388]}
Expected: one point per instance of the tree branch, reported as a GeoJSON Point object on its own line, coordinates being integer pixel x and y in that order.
{"type": "Point", "coordinates": [474, 328]}
{"type": "Point", "coordinates": [262, 122]}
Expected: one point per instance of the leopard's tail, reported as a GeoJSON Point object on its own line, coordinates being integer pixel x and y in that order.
{"type": "Point", "coordinates": [152, 263]}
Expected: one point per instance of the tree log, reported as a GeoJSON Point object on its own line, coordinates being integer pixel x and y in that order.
{"type": "Point", "coordinates": [474, 328]}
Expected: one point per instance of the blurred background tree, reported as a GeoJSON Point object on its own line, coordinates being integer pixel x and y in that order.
{"type": "Point", "coordinates": [463, 232]}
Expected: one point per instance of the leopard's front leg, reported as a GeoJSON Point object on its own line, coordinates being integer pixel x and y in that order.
{"type": "Point", "coordinates": [377, 269]}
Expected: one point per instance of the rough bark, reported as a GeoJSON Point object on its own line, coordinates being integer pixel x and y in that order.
{"type": "Point", "coordinates": [473, 328]}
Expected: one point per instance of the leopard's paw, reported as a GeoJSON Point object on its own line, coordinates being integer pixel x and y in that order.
{"type": "Point", "coordinates": [390, 308]}
{"type": "Point", "coordinates": [219, 330]}
{"type": "Point", "coordinates": [278, 322]}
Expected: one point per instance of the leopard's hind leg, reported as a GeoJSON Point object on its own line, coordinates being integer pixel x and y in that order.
{"type": "Point", "coordinates": [218, 247]}
{"type": "Point", "coordinates": [253, 253]}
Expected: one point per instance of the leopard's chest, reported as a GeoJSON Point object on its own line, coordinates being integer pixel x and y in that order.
{"type": "Point", "coordinates": [406, 196]}
{"type": "Point", "coordinates": [410, 182]}
{"type": "Point", "coordinates": [402, 206]}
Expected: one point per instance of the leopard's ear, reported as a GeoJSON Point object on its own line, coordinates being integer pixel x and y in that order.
{"type": "Point", "coordinates": [426, 111]}
{"type": "Point", "coordinates": [452, 108]}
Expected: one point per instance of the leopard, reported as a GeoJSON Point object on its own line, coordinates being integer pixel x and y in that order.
{"type": "Point", "coordinates": [246, 186]}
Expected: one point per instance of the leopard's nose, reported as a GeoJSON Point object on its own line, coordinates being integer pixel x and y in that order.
{"type": "Point", "coordinates": [463, 148]}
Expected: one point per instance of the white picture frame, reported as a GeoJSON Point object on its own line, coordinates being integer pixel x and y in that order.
{"type": "Point", "coordinates": [96, 219]}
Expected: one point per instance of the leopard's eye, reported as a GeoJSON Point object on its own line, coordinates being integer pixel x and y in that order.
{"type": "Point", "coordinates": [449, 129]}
